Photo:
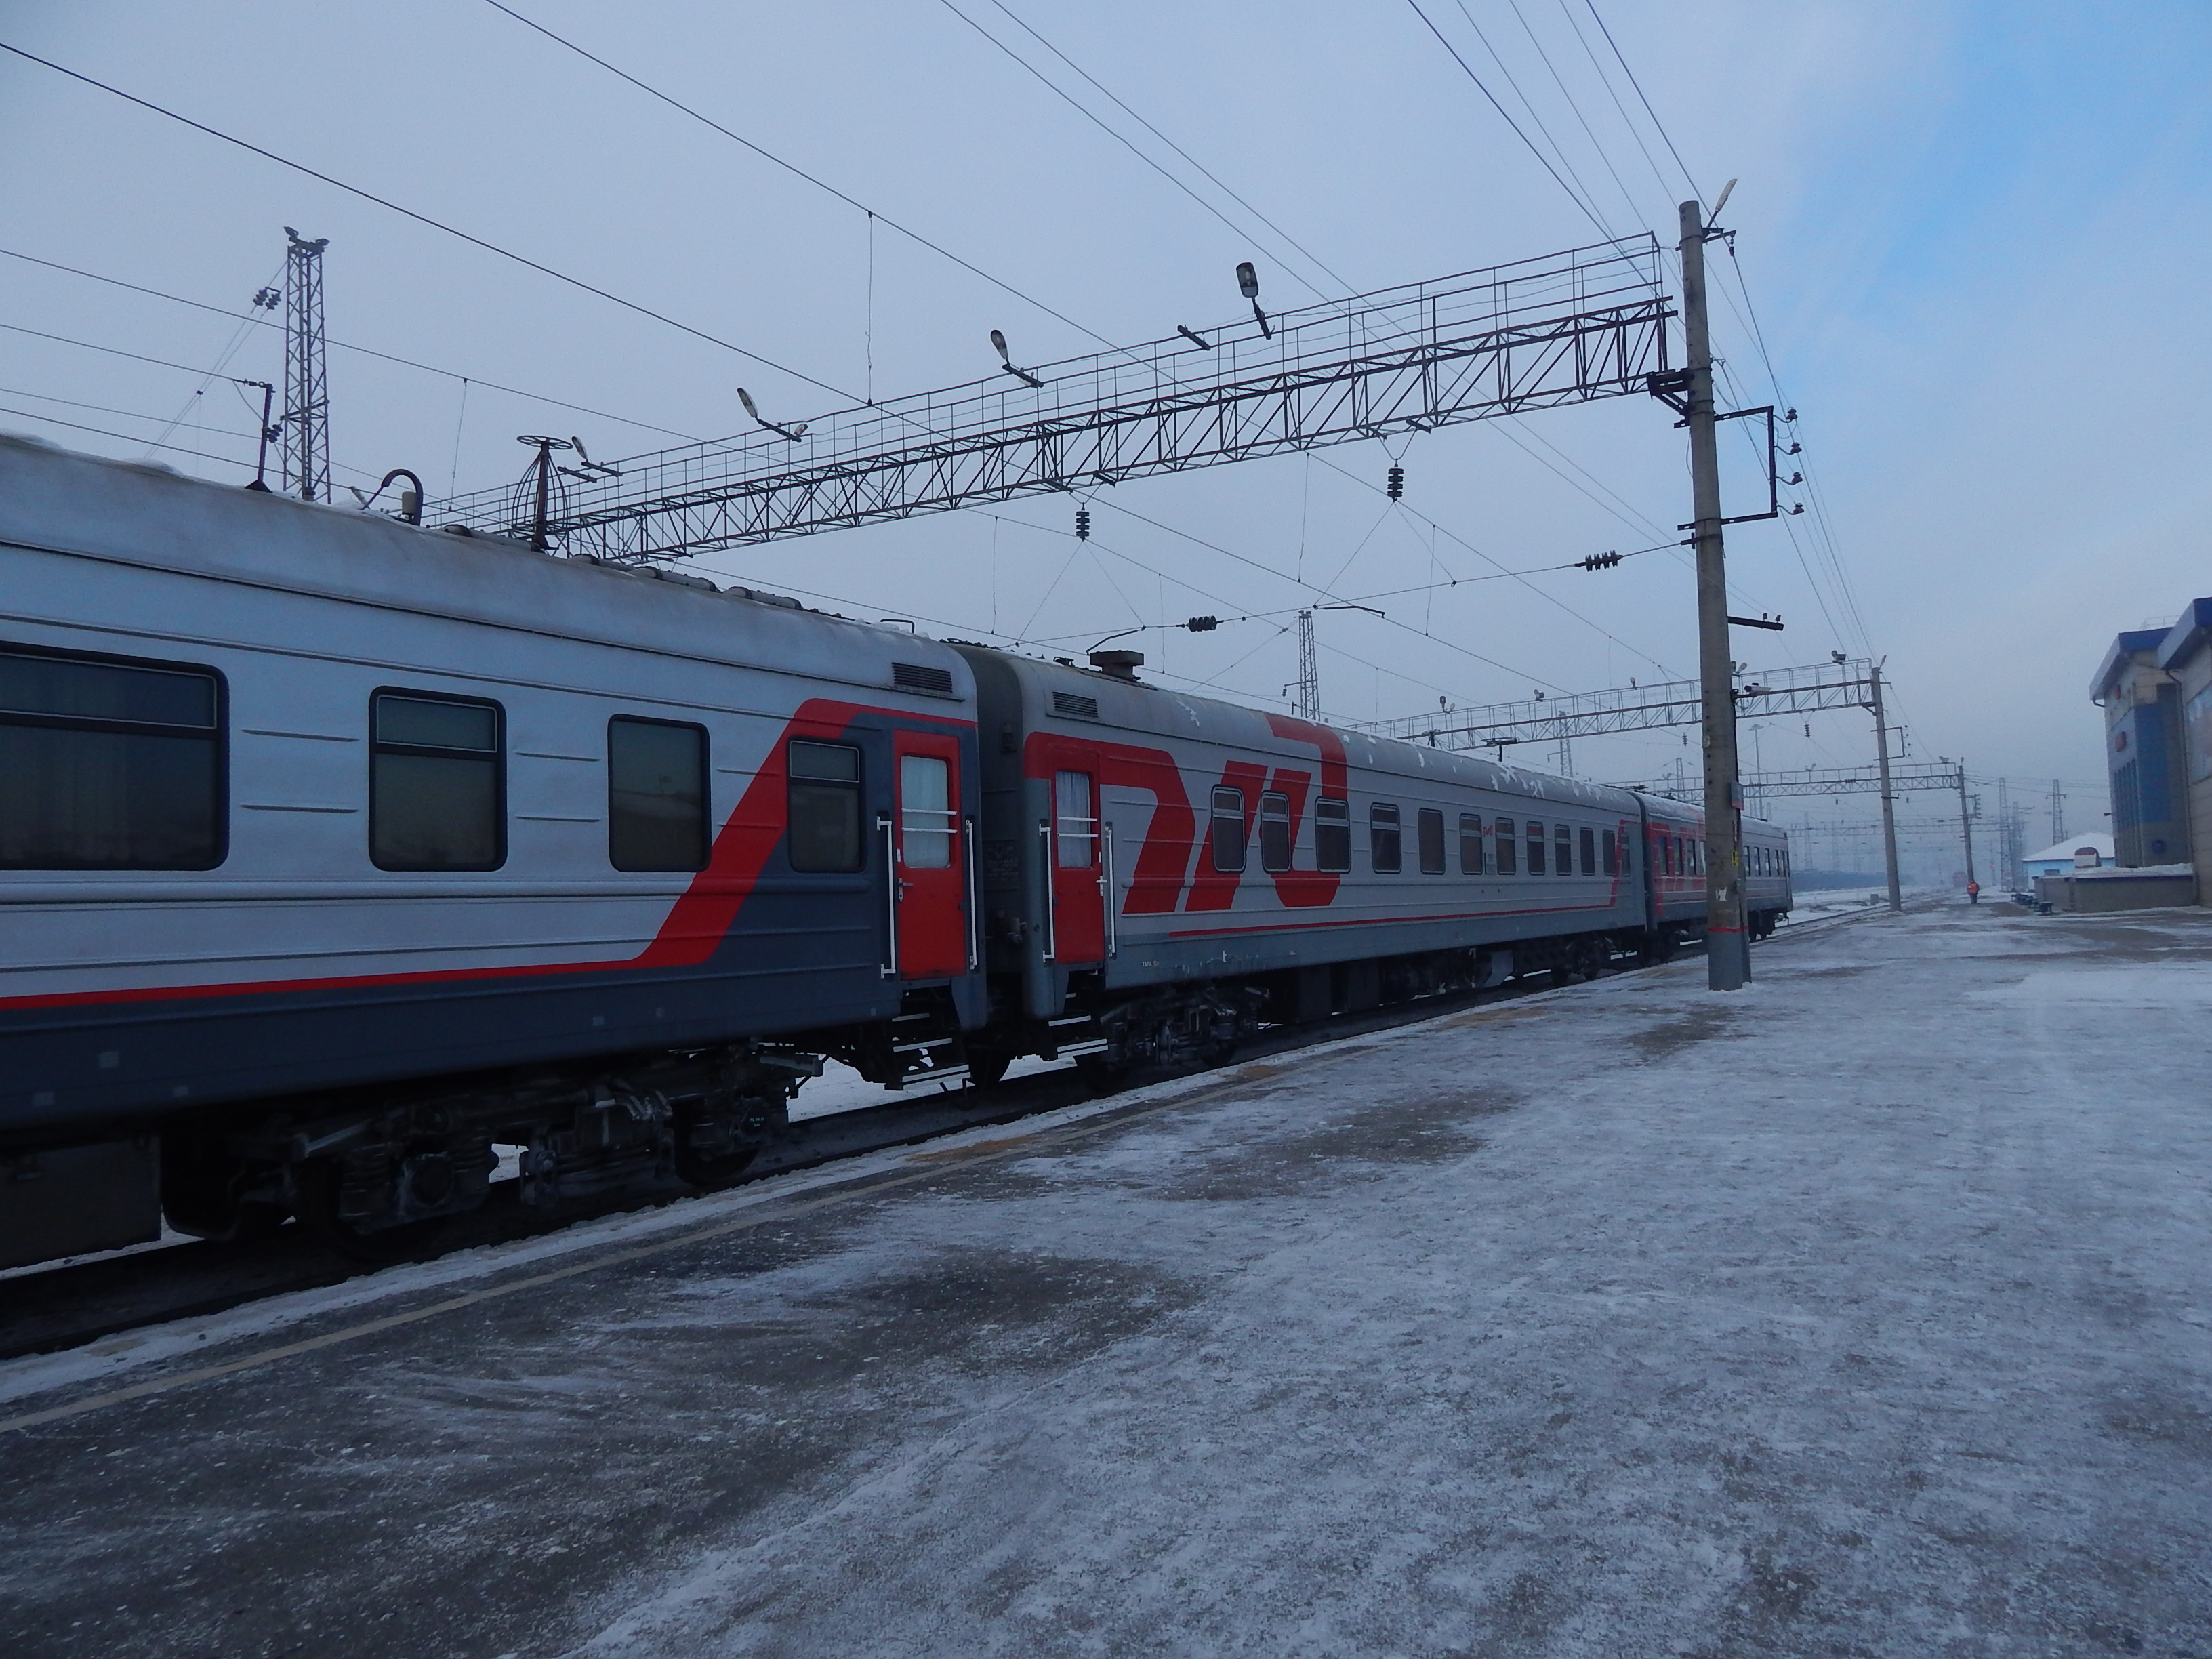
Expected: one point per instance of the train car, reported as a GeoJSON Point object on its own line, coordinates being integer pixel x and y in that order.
{"type": "Point", "coordinates": [433, 842]}
{"type": "Point", "coordinates": [1160, 868]}
{"type": "Point", "coordinates": [1674, 858]}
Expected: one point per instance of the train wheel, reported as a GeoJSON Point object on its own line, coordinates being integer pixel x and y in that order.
{"type": "Point", "coordinates": [210, 1194]}
{"type": "Point", "coordinates": [317, 1183]}
{"type": "Point", "coordinates": [707, 1173]}
{"type": "Point", "coordinates": [986, 1067]}
{"type": "Point", "coordinates": [1102, 1076]}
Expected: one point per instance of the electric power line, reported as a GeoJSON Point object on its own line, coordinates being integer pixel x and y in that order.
{"type": "Point", "coordinates": [1589, 212]}
{"type": "Point", "coordinates": [1121, 139]}
{"type": "Point", "coordinates": [392, 206]}
{"type": "Point", "coordinates": [1318, 263]}
{"type": "Point", "coordinates": [340, 345]}
{"type": "Point", "coordinates": [796, 171]}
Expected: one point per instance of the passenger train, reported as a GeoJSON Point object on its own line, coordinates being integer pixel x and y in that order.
{"type": "Point", "coordinates": [336, 850]}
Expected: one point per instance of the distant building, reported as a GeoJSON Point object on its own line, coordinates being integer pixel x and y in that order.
{"type": "Point", "coordinates": [2155, 687]}
{"type": "Point", "coordinates": [2076, 852]}
{"type": "Point", "coordinates": [2144, 698]}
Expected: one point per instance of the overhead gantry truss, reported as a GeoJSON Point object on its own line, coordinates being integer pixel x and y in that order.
{"type": "Point", "coordinates": [1570, 328]}
{"type": "Point", "coordinates": [1847, 684]}
{"type": "Point", "coordinates": [1905, 778]}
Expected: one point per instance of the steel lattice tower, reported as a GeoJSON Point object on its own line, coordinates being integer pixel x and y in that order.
{"type": "Point", "coordinates": [306, 394]}
{"type": "Point", "coordinates": [1309, 670]}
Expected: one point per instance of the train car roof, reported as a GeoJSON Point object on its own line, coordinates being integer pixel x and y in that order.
{"type": "Point", "coordinates": [127, 513]}
{"type": "Point", "coordinates": [1143, 710]}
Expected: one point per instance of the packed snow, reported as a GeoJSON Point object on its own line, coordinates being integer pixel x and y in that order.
{"type": "Point", "coordinates": [1858, 1313]}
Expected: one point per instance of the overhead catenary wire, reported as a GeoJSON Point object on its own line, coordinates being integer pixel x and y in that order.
{"type": "Point", "coordinates": [335, 345]}
{"type": "Point", "coordinates": [108, 409]}
{"type": "Point", "coordinates": [1575, 106]}
{"type": "Point", "coordinates": [875, 214]}
{"type": "Point", "coordinates": [1589, 212]}
{"type": "Point", "coordinates": [1416, 589]}
{"type": "Point", "coordinates": [1585, 194]}
{"type": "Point", "coordinates": [1459, 540]}
{"type": "Point", "coordinates": [1657, 125]}
{"type": "Point", "coordinates": [1122, 139]}
{"type": "Point", "coordinates": [389, 205]}
{"type": "Point", "coordinates": [174, 449]}
{"type": "Point", "coordinates": [1318, 263]}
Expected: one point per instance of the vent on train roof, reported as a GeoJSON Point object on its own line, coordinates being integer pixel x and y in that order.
{"type": "Point", "coordinates": [1068, 703]}
{"type": "Point", "coordinates": [919, 677]}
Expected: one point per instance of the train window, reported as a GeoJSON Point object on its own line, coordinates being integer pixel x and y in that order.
{"type": "Point", "coordinates": [435, 783]}
{"type": "Point", "coordinates": [1535, 848]}
{"type": "Point", "coordinates": [823, 806]}
{"type": "Point", "coordinates": [1507, 858]}
{"type": "Point", "coordinates": [1332, 835]}
{"type": "Point", "coordinates": [656, 794]}
{"type": "Point", "coordinates": [1672, 846]}
{"type": "Point", "coordinates": [1613, 844]}
{"type": "Point", "coordinates": [1589, 851]}
{"type": "Point", "coordinates": [927, 824]}
{"type": "Point", "coordinates": [1075, 831]}
{"type": "Point", "coordinates": [1384, 849]}
{"type": "Point", "coordinates": [1562, 851]}
{"type": "Point", "coordinates": [1275, 831]}
{"type": "Point", "coordinates": [1430, 826]}
{"type": "Point", "coordinates": [110, 765]}
{"type": "Point", "coordinates": [1228, 835]}
{"type": "Point", "coordinates": [1470, 844]}
{"type": "Point", "coordinates": [1697, 858]}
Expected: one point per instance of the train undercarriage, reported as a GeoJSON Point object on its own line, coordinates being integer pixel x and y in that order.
{"type": "Point", "coordinates": [376, 1171]}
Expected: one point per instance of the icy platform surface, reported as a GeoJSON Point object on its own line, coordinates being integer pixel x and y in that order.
{"type": "Point", "coordinates": [1863, 1313]}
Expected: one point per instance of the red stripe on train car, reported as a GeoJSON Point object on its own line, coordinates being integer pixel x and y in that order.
{"type": "Point", "coordinates": [697, 923]}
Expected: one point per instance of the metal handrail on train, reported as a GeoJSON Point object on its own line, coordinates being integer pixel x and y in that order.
{"type": "Point", "coordinates": [891, 892]}
{"type": "Point", "coordinates": [1051, 920]}
{"type": "Point", "coordinates": [974, 900]}
{"type": "Point", "coordinates": [1106, 886]}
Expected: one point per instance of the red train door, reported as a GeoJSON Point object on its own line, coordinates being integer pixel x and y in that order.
{"type": "Point", "coordinates": [1074, 860]}
{"type": "Point", "coordinates": [927, 858]}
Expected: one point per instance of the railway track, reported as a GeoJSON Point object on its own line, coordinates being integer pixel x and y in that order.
{"type": "Point", "coordinates": [66, 1307]}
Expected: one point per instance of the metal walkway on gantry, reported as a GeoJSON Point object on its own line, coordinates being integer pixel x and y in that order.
{"type": "Point", "coordinates": [1568, 328]}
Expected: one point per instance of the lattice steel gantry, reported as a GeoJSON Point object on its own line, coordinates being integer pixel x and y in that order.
{"type": "Point", "coordinates": [1570, 328]}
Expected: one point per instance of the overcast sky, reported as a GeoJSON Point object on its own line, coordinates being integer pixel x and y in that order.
{"type": "Point", "coordinates": [1973, 235]}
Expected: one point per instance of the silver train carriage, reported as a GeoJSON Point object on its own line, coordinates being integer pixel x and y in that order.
{"type": "Point", "coordinates": [336, 850]}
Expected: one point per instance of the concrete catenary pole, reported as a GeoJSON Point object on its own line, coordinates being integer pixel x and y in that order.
{"type": "Point", "coordinates": [1728, 951]}
{"type": "Point", "coordinates": [1888, 795]}
{"type": "Point", "coordinates": [1966, 824]}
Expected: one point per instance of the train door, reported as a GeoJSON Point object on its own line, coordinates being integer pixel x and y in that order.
{"type": "Point", "coordinates": [1074, 861]}
{"type": "Point", "coordinates": [927, 858]}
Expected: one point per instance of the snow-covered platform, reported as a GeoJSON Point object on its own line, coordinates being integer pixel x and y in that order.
{"type": "Point", "coordinates": [1863, 1313]}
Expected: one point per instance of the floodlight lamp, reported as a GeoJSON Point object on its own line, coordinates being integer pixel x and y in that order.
{"type": "Point", "coordinates": [999, 344]}
{"type": "Point", "coordinates": [1248, 281]}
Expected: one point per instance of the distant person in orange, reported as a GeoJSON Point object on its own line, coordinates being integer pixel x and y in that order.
{"type": "Point", "coordinates": [1974, 892]}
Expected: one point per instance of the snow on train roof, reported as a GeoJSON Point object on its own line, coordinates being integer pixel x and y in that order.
{"type": "Point", "coordinates": [151, 516]}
